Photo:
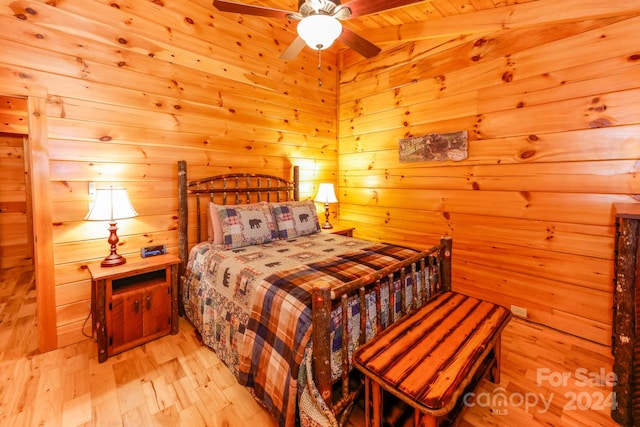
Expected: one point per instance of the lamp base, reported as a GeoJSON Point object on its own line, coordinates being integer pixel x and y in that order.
{"type": "Point", "coordinates": [326, 224]}
{"type": "Point", "coordinates": [113, 260]}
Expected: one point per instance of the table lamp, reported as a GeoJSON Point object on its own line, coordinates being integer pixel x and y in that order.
{"type": "Point", "coordinates": [111, 204]}
{"type": "Point", "coordinates": [326, 194]}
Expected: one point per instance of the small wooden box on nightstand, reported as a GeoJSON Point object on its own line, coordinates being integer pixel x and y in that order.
{"type": "Point", "coordinates": [133, 303]}
{"type": "Point", "coordinates": [341, 230]}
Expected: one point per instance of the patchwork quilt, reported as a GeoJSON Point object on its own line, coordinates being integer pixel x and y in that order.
{"type": "Point", "coordinates": [252, 305]}
{"type": "Point", "coordinates": [220, 283]}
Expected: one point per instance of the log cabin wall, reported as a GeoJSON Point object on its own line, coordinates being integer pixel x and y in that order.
{"type": "Point", "coordinates": [135, 86]}
{"type": "Point", "coordinates": [553, 118]}
{"type": "Point", "coordinates": [16, 248]}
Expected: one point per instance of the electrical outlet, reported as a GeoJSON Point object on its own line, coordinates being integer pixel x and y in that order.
{"type": "Point", "coordinates": [92, 188]}
{"type": "Point", "coordinates": [519, 311]}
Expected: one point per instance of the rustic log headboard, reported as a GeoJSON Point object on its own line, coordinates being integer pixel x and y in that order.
{"type": "Point", "coordinates": [235, 188]}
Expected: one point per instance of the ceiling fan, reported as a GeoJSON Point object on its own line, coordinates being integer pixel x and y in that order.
{"type": "Point", "coordinates": [319, 24]}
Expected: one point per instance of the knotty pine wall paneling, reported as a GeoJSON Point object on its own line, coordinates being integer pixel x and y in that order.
{"type": "Point", "coordinates": [15, 247]}
{"type": "Point", "coordinates": [135, 86]}
{"type": "Point", "coordinates": [553, 116]}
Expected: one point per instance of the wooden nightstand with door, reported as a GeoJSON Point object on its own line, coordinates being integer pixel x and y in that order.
{"type": "Point", "coordinates": [134, 303]}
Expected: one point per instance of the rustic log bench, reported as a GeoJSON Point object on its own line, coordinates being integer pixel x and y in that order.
{"type": "Point", "coordinates": [429, 358]}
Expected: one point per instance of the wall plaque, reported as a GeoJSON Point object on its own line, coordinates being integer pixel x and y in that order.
{"type": "Point", "coordinates": [434, 147]}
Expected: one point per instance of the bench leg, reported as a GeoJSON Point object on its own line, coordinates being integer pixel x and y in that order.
{"type": "Point", "coordinates": [494, 373]}
{"type": "Point", "coordinates": [372, 403]}
{"type": "Point", "coordinates": [424, 420]}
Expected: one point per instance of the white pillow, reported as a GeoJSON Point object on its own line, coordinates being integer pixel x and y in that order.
{"type": "Point", "coordinates": [213, 224]}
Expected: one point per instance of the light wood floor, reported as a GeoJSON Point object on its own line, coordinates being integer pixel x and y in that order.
{"type": "Point", "coordinates": [174, 381]}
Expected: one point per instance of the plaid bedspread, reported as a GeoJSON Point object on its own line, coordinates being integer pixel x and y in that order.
{"type": "Point", "coordinates": [279, 327]}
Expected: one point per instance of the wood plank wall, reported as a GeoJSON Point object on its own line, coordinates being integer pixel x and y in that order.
{"type": "Point", "coordinates": [16, 249]}
{"type": "Point", "coordinates": [135, 86]}
{"type": "Point", "coordinates": [553, 116]}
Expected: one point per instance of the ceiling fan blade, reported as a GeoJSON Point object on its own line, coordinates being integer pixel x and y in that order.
{"type": "Point", "coordinates": [358, 43]}
{"type": "Point", "coordinates": [250, 9]}
{"type": "Point", "coordinates": [293, 49]}
{"type": "Point", "coordinates": [365, 7]}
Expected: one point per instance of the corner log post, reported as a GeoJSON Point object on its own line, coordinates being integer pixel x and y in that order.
{"type": "Point", "coordinates": [183, 242]}
{"type": "Point", "coordinates": [624, 339]}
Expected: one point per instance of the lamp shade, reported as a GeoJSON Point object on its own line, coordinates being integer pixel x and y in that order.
{"type": "Point", "coordinates": [326, 194]}
{"type": "Point", "coordinates": [319, 31]}
{"type": "Point", "coordinates": [111, 204]}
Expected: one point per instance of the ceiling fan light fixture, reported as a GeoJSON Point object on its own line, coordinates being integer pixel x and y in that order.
{"type": "Point", "coordinates": [319, 31]}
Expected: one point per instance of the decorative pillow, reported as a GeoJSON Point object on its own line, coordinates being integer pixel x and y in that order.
{"type": "Point", "coordinates": [214, 225]}
{"type": "Point", "coordinates": [244, 225]}
{"type": "Point", "coordinates": [296, 218]}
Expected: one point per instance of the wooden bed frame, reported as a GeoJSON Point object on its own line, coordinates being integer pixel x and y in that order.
{"type": "Point", "coordinates": [433, 265]}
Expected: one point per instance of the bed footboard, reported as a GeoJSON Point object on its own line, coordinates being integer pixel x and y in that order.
{"type": "Point", "coordinates": [432, 267]}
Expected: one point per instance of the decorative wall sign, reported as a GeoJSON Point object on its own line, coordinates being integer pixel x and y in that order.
{"type": "Point", "coordinates": [434, 147]}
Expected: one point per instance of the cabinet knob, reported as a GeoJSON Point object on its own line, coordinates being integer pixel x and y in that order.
{"type": "Point", "coordinates": [148, 303]}
{"type": "Point", "coordinates": [136, 306]}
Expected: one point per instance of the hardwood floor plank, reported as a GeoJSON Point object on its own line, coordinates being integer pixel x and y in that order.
{"type": "Point", "coordinates": [77, 411]}
{"type": "Point", "coordinates": [191, 417]}
{"type": "Point", "coordinates": [107, 413]}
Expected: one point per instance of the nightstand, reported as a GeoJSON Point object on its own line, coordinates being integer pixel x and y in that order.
{"type": "Point", "coordinates": [337, 229]}
{"type": "Point", "coordinates": [133, 303]}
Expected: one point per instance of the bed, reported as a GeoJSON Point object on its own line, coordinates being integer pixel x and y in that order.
{"type": "Point", "coordinates": [283, 304]}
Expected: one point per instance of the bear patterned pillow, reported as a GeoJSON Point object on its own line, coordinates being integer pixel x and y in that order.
{"type": "Point", "coordinates": [296, 218]}
{"type": "Point", "coordinates": [244, 225]}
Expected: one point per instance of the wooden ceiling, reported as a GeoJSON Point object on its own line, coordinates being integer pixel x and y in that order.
{"type": "Point", "coordinates": [445, 19]}
{"type": "Point", "coordinates": [417, 12]}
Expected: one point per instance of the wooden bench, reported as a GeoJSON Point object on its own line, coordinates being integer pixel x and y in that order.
{"type": "Point", "coordinates": [429, 358]}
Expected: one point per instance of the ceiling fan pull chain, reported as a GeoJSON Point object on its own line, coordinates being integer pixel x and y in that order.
{"type": "Point", "coordinates": [319, 69]}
